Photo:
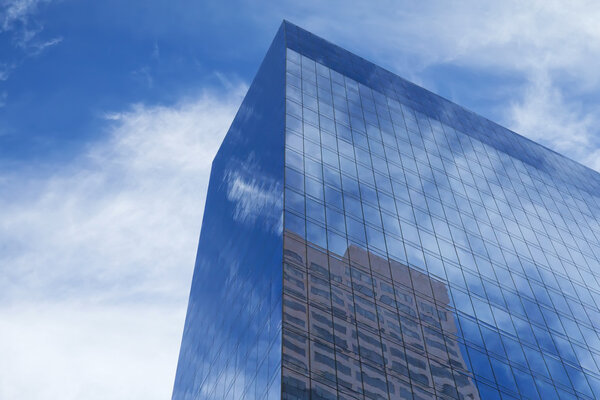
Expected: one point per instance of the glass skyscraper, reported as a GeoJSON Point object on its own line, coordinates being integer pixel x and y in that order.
{"type": "Point", "coordinates": [364, 238]}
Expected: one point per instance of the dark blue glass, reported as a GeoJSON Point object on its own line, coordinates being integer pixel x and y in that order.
{"type": "Point", "coordinates": [367, 239]}
{"type": "Point", "coordinates": [231, 345]}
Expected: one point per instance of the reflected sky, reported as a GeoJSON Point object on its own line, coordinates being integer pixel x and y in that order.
{"type": "Point", "coordinates": [231, 346]}
{"type": "Point", "coordinates": [428, 252]}
{"type": "Point", "coordinates": [508, 226]}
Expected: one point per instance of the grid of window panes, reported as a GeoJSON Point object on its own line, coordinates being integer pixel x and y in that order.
{"type": "Point", "coordinates": [231, 345]}
{"type": "Point", "coordinates": [233, 348]}
{"type": "Point", "coordinates": [512, 250]}
{"type": "Point", "coordinates": [441, 109]}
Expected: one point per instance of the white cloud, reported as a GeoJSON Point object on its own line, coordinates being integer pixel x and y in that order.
{"type": "Point", "coordinates": [66, 351]}
{"type": "Point", "coordinates": [545, 117]}
{"type": "Point", "coordinates": [97, 255]}
{"type": "Point", "coordinates": [510, 34]}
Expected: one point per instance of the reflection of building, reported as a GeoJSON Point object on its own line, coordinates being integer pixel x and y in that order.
{"type": "Point", "coordinates": [427, 252]}
{"type": "Point", "coordinates": [367, 325]}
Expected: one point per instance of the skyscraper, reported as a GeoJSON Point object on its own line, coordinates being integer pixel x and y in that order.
{"type": "Point", "coordinates": [364, 238]}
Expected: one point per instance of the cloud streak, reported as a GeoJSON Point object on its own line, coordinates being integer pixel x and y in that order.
{"type": "Point", "coordinates": [98, 254]}
{"type": "Point", "coordinates": [19, 23]}
{"type": "Point", "coordinates": [256, 199]}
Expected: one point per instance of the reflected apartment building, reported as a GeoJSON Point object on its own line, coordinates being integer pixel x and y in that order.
{"type": "Point", "coordinates": [364, 238]}
{"type": "Point", "coordinates": [344, 311]}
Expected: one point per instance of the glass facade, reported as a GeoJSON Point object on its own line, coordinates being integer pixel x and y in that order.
{"type": "Point", "coordinates": [425, 252]}
{"type": "Point", "coordinates": [231, 347]}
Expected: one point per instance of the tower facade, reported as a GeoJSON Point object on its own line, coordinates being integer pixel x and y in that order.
{"type": "Point", "coordinates": [364, 238]}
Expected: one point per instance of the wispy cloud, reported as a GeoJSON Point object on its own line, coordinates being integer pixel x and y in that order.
{"type": "Point", "coordinates": [156, 51]}
{"type": "Point", "coordinates": [18, 20]}
{"type": "Point", "coordinates": [5, 70]}
{"type": "Point", "coordinates": [16, 12]}
{"type": "Point", "coordinates": [256, 198]}
{"type": "Point", "coordinates": [545, 116]}
{"type": "Point", "coordinates": [143, 76]}
{"type": "Point", "coordinates": [37, 47]}
{"type": "Point", "coordinates": [98, 255]}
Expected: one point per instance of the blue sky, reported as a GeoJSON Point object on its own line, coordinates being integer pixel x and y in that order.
{"type": "Point", "coordinates": [111, 112]}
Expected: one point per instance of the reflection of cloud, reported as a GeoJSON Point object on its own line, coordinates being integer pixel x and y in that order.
{"type": "Point", "coordinates": [233, 381]}
{"type": "Point", "coordinates": [115, 229]}
{"type": "Point", "coordinates": [513, 39]}
{"type": "Point", "coordinates": [528, 244]}
{"type": "Point", "coordinates": [530, 217]}
{"type": "Point", "coordinates": [256, 198]}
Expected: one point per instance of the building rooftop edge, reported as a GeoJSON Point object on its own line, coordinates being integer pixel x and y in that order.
{"type": "Point", "coordinates": [286, 25]}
